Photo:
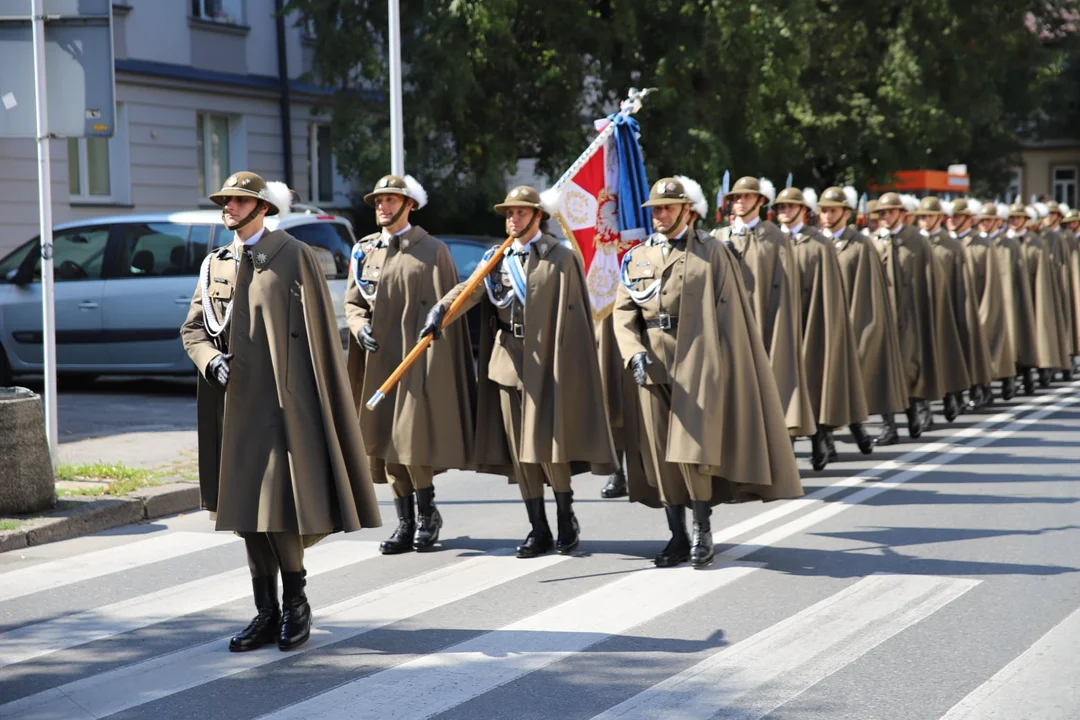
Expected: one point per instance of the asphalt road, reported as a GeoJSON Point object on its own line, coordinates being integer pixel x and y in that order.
{"type": "Point", "coordinates": [937, 579]}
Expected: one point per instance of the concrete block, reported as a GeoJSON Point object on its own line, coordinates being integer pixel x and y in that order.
{"type": "Point", "coordinates": [26, 473]}
{"type": "Point", "coordinates": [12, 539]}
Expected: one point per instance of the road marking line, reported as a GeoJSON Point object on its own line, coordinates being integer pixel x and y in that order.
{"type": "Point", "coordinates": [109, 561]}
{"type": "Point", "coordinates": [754, 677]}
{"type": "Point", "coordinates": [110, 692]}
{"type": "Point", "coordinates": [32, 641]}
{"type": "Point", "coordinates": [1040, 683]}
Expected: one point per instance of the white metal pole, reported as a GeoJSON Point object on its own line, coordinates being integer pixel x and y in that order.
{"type": "Point", "coordinates": [48, 313]}
{"type": "Point", "coordinates": [397, 141]}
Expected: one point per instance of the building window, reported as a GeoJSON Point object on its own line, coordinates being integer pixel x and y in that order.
{"type": "Point", "coordinates": [98, 166]}
{"type": "Point", "coordinates": [230, 12]}
{"type": "Point", "coordinates": [327, 186]}
{"type": "Point", "coordinates": [1065, 185]}
{"type": "Point", "coordinates": [213, 148]}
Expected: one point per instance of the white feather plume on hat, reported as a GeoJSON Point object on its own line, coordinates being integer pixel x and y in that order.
{"type": "Point", "coordinates": [1042, 209]}
{"type": "Point", "coordinates": [947, 208]}
{"type": "Point", "coordinates": [1032, 212]}
{"type": "Point", "coordinates": [1003, 211]}
{"type": "Point", "coordinates": [416, 191]}
{"type": "Point", "coordinates": [810, 198]}
{"type": "Point", "coordinates": [280, 195]}
{"type": "Point", "coordinates": [768, 189]}
{"type": "Point", "coordinates": [550, 199]}
{"type": "Point", "coordinates": [1063, 208]}
{"type": "Point", "coordinates": [695, 195]}
{"type": "Point", "coordinates": [909, 202]}
{"type": "Point", "coordinates": [974, 206]}
{"type": "Point", "coordinates": [852, 197]}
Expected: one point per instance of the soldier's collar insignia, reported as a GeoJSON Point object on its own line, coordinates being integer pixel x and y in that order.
{"type": "Point", "coordinates": [542, 247]}
{"type": "Point", "coordinates": [260, 259]}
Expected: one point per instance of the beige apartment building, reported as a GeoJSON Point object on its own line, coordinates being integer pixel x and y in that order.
{"type": "Point", "coordinates": [1048, 168]}
{"type": "Point", "coordinates": [199, 96]}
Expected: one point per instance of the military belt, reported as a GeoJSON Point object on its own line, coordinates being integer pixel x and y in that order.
{"type": "Point", "coordinates": [516, 329]}
{"type": "Point", "coordinates": [663, 321]}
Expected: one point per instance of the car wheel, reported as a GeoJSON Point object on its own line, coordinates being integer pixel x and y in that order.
{"type": "Point", "coordinates": [6, 377]}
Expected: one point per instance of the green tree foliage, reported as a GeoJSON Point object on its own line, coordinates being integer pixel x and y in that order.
{"type": "Point", "coordinates": [836, 91]}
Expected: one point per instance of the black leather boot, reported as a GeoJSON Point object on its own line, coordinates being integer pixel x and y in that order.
{"type": "Point", "coordinates": [888, 435]}
{"type": "Point", "coordinates": [926, 413]}
{"type": "Point", "coordinates": [951, 407]}
{"type": "Point", "coordinates": [819, 454]}
{"type": "Point", "coordinates": [677, 550]}
{"type": "Point", "coordinates": [538, 541]}
{"type": "Point", "coordinates": [1028, 378]}
{"type": "Point", "coordinates": [830, 443]}
{"type": "Point", "coordinates": [975, 399]}
{"type": "Point", "coordinates": [266, 626]}
{"type": "Point", "coordinates": [295, 611]}
{"type": "Point", "coordinates": [402, 539]}
{"type": "Point", "coordinates": [1067, 375]}
{"type": "Point", "coordinates": [987, 400]}
{"type": "Point", "coordinates": [616, 485]}
{"type": "Point", "coordinates": [1008, 388]}
{"type": "Point", "coordinates": [1044, 378]}
{"type": "Point", "coordinates": [430, 521]}
{"type": "Point", "coordinates": [567, 522]}
{"type": "Point", "coordinates": [861, 438]}
{"type": "Point", "coordinates": [914, 422]}
{"type": "Point", "coordinates": [701, 552]}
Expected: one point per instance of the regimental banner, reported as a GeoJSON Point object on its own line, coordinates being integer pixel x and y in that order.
{"type": "Point", "coordinates": [599, 208]}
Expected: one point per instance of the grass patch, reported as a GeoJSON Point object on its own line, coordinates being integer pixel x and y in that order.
{"type": "Point", "coordinates": [120, 478]}
{"type": "Point", "coordinates": [11, 524]}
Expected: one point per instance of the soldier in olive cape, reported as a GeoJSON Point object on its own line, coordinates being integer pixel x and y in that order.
{"type": "Point", "coordinates": [957, 317]}
{"type": "Point", "coordinates": [1070, 231]}
{"type": "Point", "coordinates": [1043, 281]}
{"type": "Point", "coordinates": [425, 426]}
{"type": "Point", "coordinates": [1016, 293]}
{"type": "Point", "coordinates": [712, 415]}
{"type": "Point", "coordinates": [830, 359]}
{"type": "Point", "coordinates": [987, 298]}
{"type": "Point", "coordinates": [540, 403]}
{"type": "Point", "coordinates": [1063, 252]}
{"type": "Point", "coordinates": [771, 279]}
{"type": "Point", "coordinates": [909, 267]}
{"type": "Point", "coordinates": [873, 320]}
{"type": "Point", "coordinates": [281, 457]}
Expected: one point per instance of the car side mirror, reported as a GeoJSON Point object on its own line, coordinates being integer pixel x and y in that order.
{"type": "Point", "coordinates": [21, 276]}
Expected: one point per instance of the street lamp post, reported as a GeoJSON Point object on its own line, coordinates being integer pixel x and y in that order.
{"type": "Point", "coordinates": [397, 142]}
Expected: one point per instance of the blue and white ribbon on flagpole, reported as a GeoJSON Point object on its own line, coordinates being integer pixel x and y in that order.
{"type": "Point", "coordinates": [633, 186]}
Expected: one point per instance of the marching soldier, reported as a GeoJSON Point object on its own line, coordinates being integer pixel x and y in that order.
{"type": "Point", "coordinates": [909, 268]}
{"type": "Point", "coordinates": [682, 315]}
{"type": "Point", "coordinates": [281, 458]}
{"type": "Point", "coordinates": [771, 278]}
{"type": "Point", "coordinates": [1016, 294]}
{"type": "Point", "coordinates": [1070, 230]}
{"type": "Point", "coordinates": [1043, 282]}
{"type": "Point", "coordinates": [987, 297]}
{"type": "Point", "coordinates": [959, 332]}
{"type": "Point", "coordinates": [425, 426]}
{"type": "Point", "coordinates": [1063, 253]}
{"type": "Point", "coordinates": [831, 363]}
{"type": "Point", "coordinates": [873, 320]}
{"type": "Point", "coordinates": [540, 404]}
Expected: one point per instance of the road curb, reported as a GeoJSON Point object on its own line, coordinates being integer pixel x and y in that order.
{"type": "Point", "coordinates": [86, 515]}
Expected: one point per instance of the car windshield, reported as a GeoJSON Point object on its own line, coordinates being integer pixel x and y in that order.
{"type": "Point", "coordinates": [467, 254]}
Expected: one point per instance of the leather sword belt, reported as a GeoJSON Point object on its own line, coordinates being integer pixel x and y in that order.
{"type": "Point", "coordinates": [663, 321]}
{"type": "Point", "coordinates": [515, 329]}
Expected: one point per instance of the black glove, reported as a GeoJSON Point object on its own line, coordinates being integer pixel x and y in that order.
{"type": "Point", "coordinates": [639, 364]}
{"type": "Point", "coordinates": [366, 341]}
{"type": "Point", "coordinates": [218, 370]}
{"type": "Point", "coordinates": [433, 323]}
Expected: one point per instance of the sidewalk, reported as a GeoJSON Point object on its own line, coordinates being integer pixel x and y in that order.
{"type": "Point", "coordinates": [172, 453]}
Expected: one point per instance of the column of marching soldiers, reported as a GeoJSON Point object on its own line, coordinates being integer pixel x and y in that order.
{"type": "Point", "coordinates": [722, 348]}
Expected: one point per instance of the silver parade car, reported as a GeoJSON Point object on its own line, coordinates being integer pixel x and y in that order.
{"type": "Point", "coordinates": [124, 285]}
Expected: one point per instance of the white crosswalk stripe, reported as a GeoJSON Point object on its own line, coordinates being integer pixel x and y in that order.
{"type": "Point", "coordinates": [92, 565]}
{"type": "Point", "coordinates": [749, 680]}
{"type": "Point", "coordinates": [31, 641]}
{"type": "Point", "coordinates": [760, 674]}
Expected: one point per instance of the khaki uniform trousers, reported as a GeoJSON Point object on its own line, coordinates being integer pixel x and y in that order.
{"type": "Point", "coordinates": [407, 479]}
{"type": "Point", "coordinates": [679, 483]}
{"type": "Point", "coordinates": [530, 476]}
{"type": "Point", "coordinates": [269, 553]}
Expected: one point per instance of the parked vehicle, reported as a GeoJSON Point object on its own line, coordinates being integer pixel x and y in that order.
{"type": "Point", "coordinates": [468, 251]}
{"type": "Point", "coordinates": [124, 285]}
